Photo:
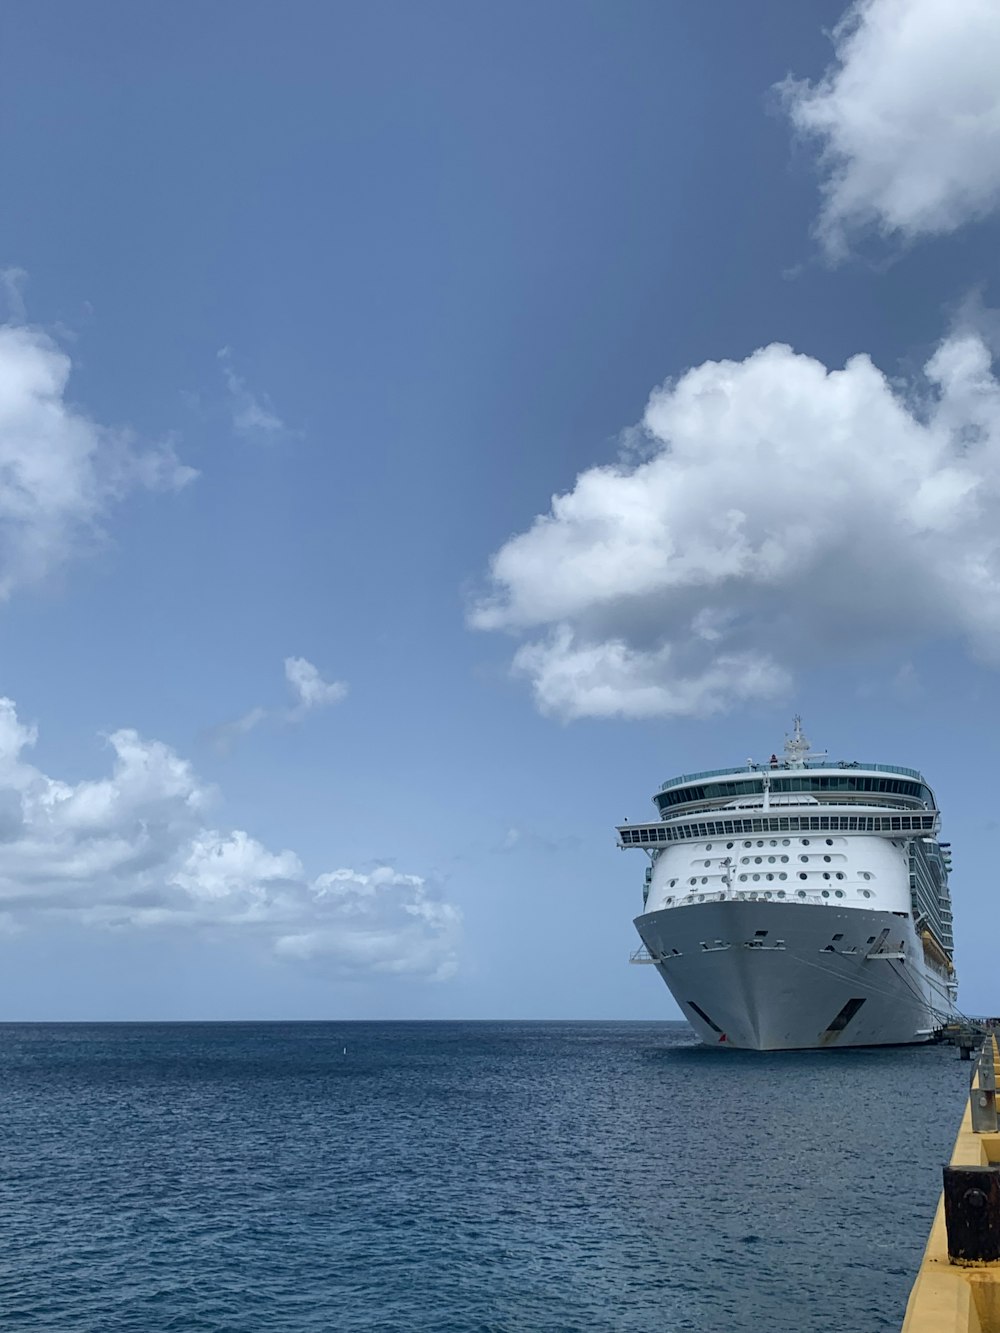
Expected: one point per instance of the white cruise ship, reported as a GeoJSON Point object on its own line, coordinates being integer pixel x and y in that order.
{"type": "Point", "coordinates": [799, 903]}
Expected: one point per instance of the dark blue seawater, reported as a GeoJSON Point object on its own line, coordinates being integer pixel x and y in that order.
{"type": "Point", "coordinates": [460, 1177]}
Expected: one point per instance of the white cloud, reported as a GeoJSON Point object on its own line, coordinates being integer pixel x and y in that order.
{"type": "Point", "coordinates": [60, 471]}
{"type": "Point", "coordinates": [309, 687]}
{"type": "Point", "coordinates": [133, 850]}
{"type": "Point", "coordinates": [784, 515]}
{"type": "Point", "coordinates": [252, 413]}
{"type": "Point", "coordinates": [907, 117]}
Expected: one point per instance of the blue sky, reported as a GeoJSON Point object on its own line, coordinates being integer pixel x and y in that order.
{"type": "Point", "coordinates": [312, 311]}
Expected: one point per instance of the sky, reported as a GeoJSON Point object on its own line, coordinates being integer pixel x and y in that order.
{"type": "Point", "coordinates": [426, 428]}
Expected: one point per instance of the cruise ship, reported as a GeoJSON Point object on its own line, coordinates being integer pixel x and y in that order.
{"type": "Point", "coordinates": [798, 903]}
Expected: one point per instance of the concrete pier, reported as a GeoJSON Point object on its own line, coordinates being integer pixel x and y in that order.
{"type": "Point", "coordinates": [956, 1291]}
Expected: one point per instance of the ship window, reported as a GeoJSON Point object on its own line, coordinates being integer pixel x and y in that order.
{"type": "Point", "coordinates": [704, 879]}
{"type": "Point", "coordinates": [803, 858]}
{"type": "Point", "coordinates": [803, 875]}
{"type": "Point", "coordinates": [743, 879]}
{"type": "Point", "coordinates": [782, 875]}
{"type": "Point", "coordinates": [826, 893]}
{"type": "Point", "coordinates": [708, 863]}
{"type": "Point", "coordinates": [770, 876]}
{"type": "Point", "coordinates": [760, 844]}
{"type": "Point", "coordinates": [756, 877]}
{"type": "Point", "coordinates": [839, 893]}
{"type": "Point", "coordinates": [748, 844]}
{"type": "Point", "coordinates": [758, 860]}
{"type": "Point", "coordinates": [805, 842]}
{"type": "Point", "coordinates": [781, 893]}
{"type": "Point", "coordinates": [692, 881]}
{"type": "Point", "coordinates": [826, 874]}
{"type": "Point", "coordinates": [729, 846]}
{"type": "Point", "coordinates": [771, 860]}
{"type": "Point", "coordinates": [671, 884]}
{"type": "Point", "coordinates": [829, 842]}
{"type": "Point", "coordinates": [840, 874]}
{"type": "Point", "coordinates": [708, 846]}
{"type": "Point", "coordinates": [784, 842]}
{"type": "Point", "coordinates": [784, 860]}
{"type": "Point", "coordinates": [827, 858]}
{"type": "Point", "coordinates": [773, 842]}
{"type": "Point", "coordinates": [801, 893]}
{"type": "Point", "coordinates": [866, 893]}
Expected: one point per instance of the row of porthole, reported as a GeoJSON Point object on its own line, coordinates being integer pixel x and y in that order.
{"type": "Point", "coordinates": [767, 893]}
{"type": "Point", "coordinates": [803, 874]}
{"type": "Point", "coordinates": [772, 842]}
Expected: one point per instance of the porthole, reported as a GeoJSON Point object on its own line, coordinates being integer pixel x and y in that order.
{"type": "Point", "coordinates": [773, 842]}
{"type": "Point", "coordinates": [802, 875]}
{"type": "Point", "coordinates": [865, 874]}
{"type": "Point", "coordinates": [840, 874]}
{"type": "Point", "coordinates": [704, 879]}
{"type": "Point", "coordinates": [771, 860]}
{"type": "Point", "coordinates": [782, 875]}
{"type": "Point", "coordinates": [839, 893]}
{"type": "Point", "coordinates": [784, 860]}
{"type": "Point", "coordinates": [803, 858]}
{"type": "Point", "coordinates": [760, 844]}
{"type": "Point", "coordinates": [827, 858]}
{"type": "Point", "coordinates": [756, 877]}
{"type": "Point", "coordinates": [729, 846]}
{"type": "Point", "coordinates": [800, 893]}
{"type": "Point", "coordinates": [769, 876]}
{"type": "Point", "coordinates": [866, 893]}
{"type": "Point", "coordinates": [781, 893]}
{"type": "Point", "coordinates": [829, 842]}
{"type": "Point", "coordinates": [708, 863]}
{"type": "Point", "coordinates": [744, 861]}
{"type": "Point", "coordinates": [669, 901]}
{"type": "Point", "coordinates": [672, 883]}
{"type": "Point", "coordinates": [748, 844]}
{"type": "Point", "coordinates": [826, 893]}
{"type": "Point", "coordinates": [784, 842]}
{"type": "Point", "coordinates": [767, 893]}
{"type": "Point", "coordinates": [757, 860]}
{"type": "Point", "coordinates": [692, 881]}
{"type": "Point", "coordinates": [826, 874]}
{"type": "Point", "coordinates": [805, 842]}
{"type": "Point", "coordinates": [743, 879]}
{"type": "Point", "coordinates": [708, 846]}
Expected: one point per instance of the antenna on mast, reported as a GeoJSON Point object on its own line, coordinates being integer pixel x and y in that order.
{"type": "Point", "coordinates": [797, 746]}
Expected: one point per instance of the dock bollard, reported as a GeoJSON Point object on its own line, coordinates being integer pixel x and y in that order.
{"type": "Point", "coordinates": [972, 1213]}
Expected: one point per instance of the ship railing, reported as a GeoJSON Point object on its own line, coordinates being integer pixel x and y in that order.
{"type": "Point", "coordinates": [781, 766]}
{"type": "Point", "coordinates": [641, 956]}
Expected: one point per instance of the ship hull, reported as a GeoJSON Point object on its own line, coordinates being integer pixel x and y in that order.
{"type": "Point", "coordinates": [771, 976]}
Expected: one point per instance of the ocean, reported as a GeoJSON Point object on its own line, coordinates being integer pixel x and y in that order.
{"type": "Point", "coordinates": [460, 1178]}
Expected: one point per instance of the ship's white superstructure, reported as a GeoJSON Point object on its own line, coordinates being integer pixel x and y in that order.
{"type": "Point", "coordinates": [799, 903]}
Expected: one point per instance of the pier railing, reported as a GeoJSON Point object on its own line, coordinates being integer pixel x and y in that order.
{"type": "Point", "coordinates": [957, 1289]}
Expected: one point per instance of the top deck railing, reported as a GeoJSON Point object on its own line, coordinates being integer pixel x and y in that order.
{"type": "Point", "coordinates": [841, 766]}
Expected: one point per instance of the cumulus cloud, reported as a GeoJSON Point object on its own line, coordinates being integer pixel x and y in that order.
{"type": "Point", "coordinates": [252, 413]}
{"type": "Point", "coordinates": [784, 514]}
{"type": "Point", "coordinates": [907, 118]}
{"type": "Point", "coordinates": [60, 471]}
{"type": "Point", "coordinates": [135, 850]}
{"type": "Point", "coordinates": [310, 689]}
